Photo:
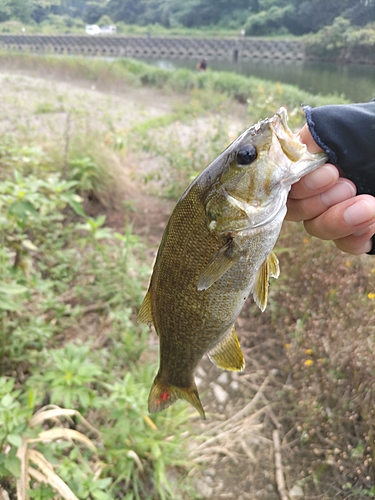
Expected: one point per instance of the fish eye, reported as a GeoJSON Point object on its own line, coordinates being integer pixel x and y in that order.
{"type": "Point", "coordinates": [246, 155]}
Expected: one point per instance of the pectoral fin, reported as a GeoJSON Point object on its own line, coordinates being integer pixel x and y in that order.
{"type": "Point", "coordinates": [270, 267]}
{"type": "Point", "coordinates": [145, 313]}
{"type": "Point", "coordinates": [274, 267]}
{"type": "Point", "coordinates": [227, 354]}
{"type": "Point", "coordinates": [220, 263]}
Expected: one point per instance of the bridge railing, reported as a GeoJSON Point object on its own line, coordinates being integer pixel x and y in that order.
{"type": "Point", "coordinates": [114, 46]}
{"type": "Point", "coordinates": [171, 47]}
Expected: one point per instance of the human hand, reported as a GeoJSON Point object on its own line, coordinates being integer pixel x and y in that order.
{"type": "Point", "coordinates": [327, 205]}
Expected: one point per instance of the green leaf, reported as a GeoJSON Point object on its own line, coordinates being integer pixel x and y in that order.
{"type": "Point", "coordinates": [104, 483]}
{"type": "Point", "coordinates": [15, 440]}
{"type": "Point", "coordinates": [77, 207]}
{"type": "Point", "coordinates": [6, 305]}
{"type": "Point", "coordinates": [31, 399]}
{"type": "Point", "coordinates": [101, 495]}
{"type": "Point", "coordinates": [7, 401]}
{"type": "Point", "coordinates": [21, 209]}
{"type": "Point", "coordinates": [13, 465]}
{"type": "Point", "coordinates": [12, 288]}
{"type": "Point", "coordinates": [104, 233]}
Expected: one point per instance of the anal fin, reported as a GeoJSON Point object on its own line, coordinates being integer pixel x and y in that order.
{"type": "Point", "coordinates": [227, 353]}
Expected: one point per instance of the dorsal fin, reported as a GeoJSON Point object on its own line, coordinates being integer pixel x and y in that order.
{"type": "Point", "coordinates": [227, 353]}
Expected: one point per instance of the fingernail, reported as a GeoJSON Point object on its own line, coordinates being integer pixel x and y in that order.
{"type": "Point", "coordinates": [339, 192]}
{"type": "Point", "coordinates": [359, 212]}
{"type": "Point", "coordinates": [321, 177]}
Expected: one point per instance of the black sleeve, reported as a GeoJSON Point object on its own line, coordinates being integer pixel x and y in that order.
{"type": "Point", "coordinates": [346, 132]}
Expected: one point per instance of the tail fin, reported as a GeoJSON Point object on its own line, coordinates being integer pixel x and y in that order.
{"type": "Point", "coordinates": [163, 395]}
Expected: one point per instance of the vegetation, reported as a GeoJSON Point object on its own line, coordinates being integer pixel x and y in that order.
{"type": "Point", "coordinates": [256, 17]}
{"type": "Point", "coordinates": [341, 40]}
{"type": "Point", "coordinates": [75, 364]}
{"type": "Point", "coordinates": [331, 30]}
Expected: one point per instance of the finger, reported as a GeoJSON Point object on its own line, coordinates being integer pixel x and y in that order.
{"type": "Point", "coordinates": [343, 219]}
{"type": "Point", "coordinates": [312, 207]}
{"type": "Point", "coordinates": [306, 137]}
{"type": "Point", "coordinates": [315, 182]}
{"type": "Point", "coordinates": [357, 245]}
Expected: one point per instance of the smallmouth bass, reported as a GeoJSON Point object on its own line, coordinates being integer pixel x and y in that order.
{"type": "Point", "coordinates": [217, 250]}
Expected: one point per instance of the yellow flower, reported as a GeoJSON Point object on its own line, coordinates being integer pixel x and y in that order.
{"type": "Point", "coordinates": [306, 240]}
{"type": "Point", "coordinates": [308, 351]}
{"type": "Point", "coordinates": [371, 295]}
{"type": "Point", "coordinates": [288, 346]}
{"type": "Point", "coordinates": [348, 263]}
{"type": "Point", "coordinates": [309, 362]}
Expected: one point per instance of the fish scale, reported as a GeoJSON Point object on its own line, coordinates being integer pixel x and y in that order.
{"type": "Point", "coordinates": [216, 250]}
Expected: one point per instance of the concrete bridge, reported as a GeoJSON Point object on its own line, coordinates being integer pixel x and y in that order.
{"type": "Point", "coordinates": [171, 47]}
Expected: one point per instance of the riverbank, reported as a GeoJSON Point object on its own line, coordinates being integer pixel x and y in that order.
{"type": "Point", "coordinates": [261, 96]}
{"type": "Point", "coordinates": [356, 82]}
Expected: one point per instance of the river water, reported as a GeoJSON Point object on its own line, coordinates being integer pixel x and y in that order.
{"type": "Point", "coordinates": [355, 82]}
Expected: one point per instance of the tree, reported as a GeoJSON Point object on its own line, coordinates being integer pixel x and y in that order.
{"type": "Point", "coordinates": [16, 9]}
{"type": "Point", "coordinates": [312, 15]}
{"type": "Point", "coordinates": [127, 11]}
{"type": "Point", "coordinates": [41, 9]}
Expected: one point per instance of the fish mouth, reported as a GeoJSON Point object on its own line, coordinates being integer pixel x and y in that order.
{"type": "Point", "coordinates": [282, 114]}
{"type": "Point", "coordinates": [302, 160]}
{"type": "Point", "coordinates": [290, 144]}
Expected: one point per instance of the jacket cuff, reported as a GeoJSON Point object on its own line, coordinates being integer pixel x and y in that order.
{"type": "Point", "coordinates": [311, 124]}
{"type": "Point", "coordinates": [372, 251]}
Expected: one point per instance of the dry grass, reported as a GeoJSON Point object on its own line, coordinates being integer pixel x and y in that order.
{"type": "Point", "coordinates": [34, 465]}
{"type": "Point", "coordinates": [234, 436]}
